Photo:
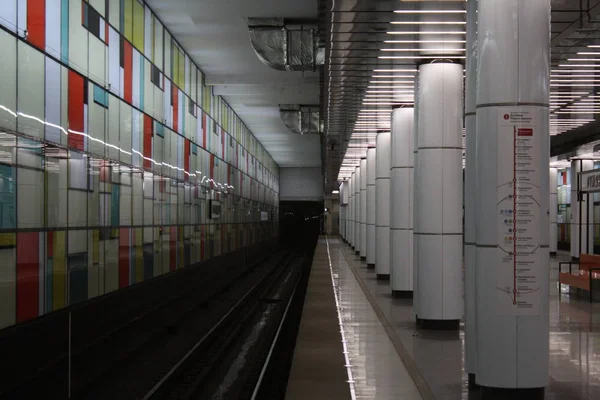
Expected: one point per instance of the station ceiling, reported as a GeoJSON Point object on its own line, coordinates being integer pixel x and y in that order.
{"type": "Point", "coordinates": [215, 34]}
{"type": "Point", "coordinates": [372, 48]}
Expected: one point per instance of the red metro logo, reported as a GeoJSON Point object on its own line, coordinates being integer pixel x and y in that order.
{"type": "Point", "coordinates": [506, 116]}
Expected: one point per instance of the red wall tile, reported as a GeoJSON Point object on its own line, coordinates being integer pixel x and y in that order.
{"type": "Point", "coordinates": [124, 253]}
{"type": "Point", "coordinates": [76, 117]}
{"type": "Point", "coordinates": [36, 23]}
{"type": "Point", "coordinates": [28, 247]}
{"type": "Point", "coordinates": [128, 71]}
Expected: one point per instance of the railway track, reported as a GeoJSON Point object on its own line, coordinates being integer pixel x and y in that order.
{"type": "Point", "coordinates": [231, 359]}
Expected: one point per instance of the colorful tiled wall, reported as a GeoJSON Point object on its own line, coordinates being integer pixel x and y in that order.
{"type": "Point", "coordinates": [112, 150]}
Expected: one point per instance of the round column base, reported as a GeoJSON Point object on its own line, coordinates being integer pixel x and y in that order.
{"type": "Point", "coordinates": [383, 277]}
{"type": "Point", "coordinates": [491, 393]}
{"type": "Point", "coordinates": [371, 266]}
{"type": "Point", "coordinates": [403, 294]}
{"type": "Point", "coordinates": [440, 324]}
{"type": "Point", "coordinates": [472, 383]}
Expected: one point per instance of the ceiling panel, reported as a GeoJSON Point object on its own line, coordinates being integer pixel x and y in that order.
{"type": "Point", "coordinates": [215, 34]}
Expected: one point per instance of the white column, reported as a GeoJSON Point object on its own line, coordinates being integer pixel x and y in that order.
{"type": "Point", "coordinates": [382, 218]}
{"type": "Point", "coordinates": [581, 234]}
{"type": "Point", "coordinates": [401, 235]}
{"type": "Point", "coordinates": [553, 210]}
{"type": "Point", "coordinates": [363, 208]}
{"type": "Point", "coordinates": [512, 204]}
{"type": "Point", "coordinates": [343, 215]}
{"type": "Point", "coordinates": [415, 203]}
{"type": "Point", "coordinates": [439, 194]}
{"type": "Point", "coordinates": [357, 211]}
{"type": "Point", "coordinates": [371, 250]}
{"type": "Point", "coordinates": [350, 211]}
{"type": "Point", "coordinates": [471, 192]}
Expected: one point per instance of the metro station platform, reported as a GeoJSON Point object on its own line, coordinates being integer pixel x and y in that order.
{"type": "Point", "coordinates": [390, 358]}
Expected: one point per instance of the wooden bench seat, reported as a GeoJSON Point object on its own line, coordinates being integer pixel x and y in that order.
{"type": "Point", "coordinates": [589, 269]}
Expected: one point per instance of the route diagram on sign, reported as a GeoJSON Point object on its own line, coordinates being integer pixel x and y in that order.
{"type": "Point", "coordinates": [518, 207]}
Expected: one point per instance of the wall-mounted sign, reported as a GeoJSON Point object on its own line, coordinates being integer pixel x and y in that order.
{"type": "Point", "coordinates": [264, 216]}
{"type": "Point", "coordinates": [215, 209]}
{"type": "Point", "coordinates": [590, 181]}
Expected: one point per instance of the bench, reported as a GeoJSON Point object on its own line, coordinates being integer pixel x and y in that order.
{"type": "Point", "coordinates": [589, 269]}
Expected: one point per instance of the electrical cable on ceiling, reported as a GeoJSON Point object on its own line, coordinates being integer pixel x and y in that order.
{"type": "Point", "coordinates": [580, 14]}
{"type": "Point", "coordinates": [588, 12]}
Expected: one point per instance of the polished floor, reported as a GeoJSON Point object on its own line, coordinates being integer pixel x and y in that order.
{"type": "Point", "coordinates": [371, 366]}
{"type": "Point", "coordinates": [319, 364]}
{"type": "Point", "coordinates": [437, 356]}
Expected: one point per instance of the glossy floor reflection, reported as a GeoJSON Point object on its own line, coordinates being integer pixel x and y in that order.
{"type": "Point", "coordinates": [377, 370]}
{"type": "Point", "coordinates": [438, 355]}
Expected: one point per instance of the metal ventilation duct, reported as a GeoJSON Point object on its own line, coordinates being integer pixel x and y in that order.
{"type": "Point", "coordinates": [300, 119]}
{"type": "Point", "coordinates": [286, 47]}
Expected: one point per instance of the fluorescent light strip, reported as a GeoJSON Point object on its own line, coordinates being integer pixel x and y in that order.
{"type": "Point", "coordinates": [426, 33]}
{"type": "Point", "coordinates": [430, 11]}
{"type": "Point", "coordinates": [428, 23]}
{"type": "Point", "coordinates": [424, 41]}
{"type": "Point", "coordinates": [414, 50]}
{"type": "Point", "coordinates": [579, 65]}
{"type": "Point", "coordinates": [588, 53]}
{"type": "Point", "coordinates": [578, 71]}
{"type": "Point", "coordinates": [575, 76]}
{"type": "Point", "coordinates": [394, 70]}
{"type": "Point", "coordinates": [577, 112]}
{"type": "Point", "coordinates": [394, 82]}
{"type": "Point", "coordinates": [405, 92]}
{"type": "Point", "coordinates": [387, 103]}
{"type": "Point", "coordinates": [583, 59]}
{"type": "Point", "coordinates": [574, 80]}
{"type": "Point", "coordinates": [421, 57]}
{"type": "Point", "coordinates": [399, 86]}
{"type": "Point", "coordinates": [572, 85]}
{"type": "Point", "coordinates": [392, 76]}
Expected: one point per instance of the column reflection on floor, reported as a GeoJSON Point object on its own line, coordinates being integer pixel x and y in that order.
{"type": "Point", "coordinates": [377, 370]}
{"type": "Point", "coordinates": [438, 355]}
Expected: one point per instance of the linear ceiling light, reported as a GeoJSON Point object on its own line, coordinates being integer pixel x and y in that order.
{"type": "Point", "coordinates": [391, 76]}
{"type": "Point", "coordinates": [579, 65]}
{"type": "Point", "coordinates": [426, 33]}
{"type": "Point", "coordinates": [391, 91]}
{"type": "Point", "coordinates": [578, 71]}
{"type": "Point", "coordinates": [414, 50]}
{"type": "Point", "coordinates": [420, 57]}
{"type": "Point", "coordinates": [573, 85]}
{"type": "Point", "coordinates": [428, 23]}
{"type": "Point", "coordinates": [394, 70]}
{"type": "Point", "coordinates": [382, 103]}
{"type": "Point", "coordinates": [574, 76]}
{"type": "Point", "coordinates": [430, 11]}
{"type": "Point", "coordinates": [399, 86]}
{"type": "Point", "coordinates": [396, 82]}
{"type": "Point", "coordinates": [424, 41]}
{"type": "Point", "coordinates": [573, 80]}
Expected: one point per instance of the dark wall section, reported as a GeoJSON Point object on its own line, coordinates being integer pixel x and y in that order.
{"type": "Point", "coordinates": [300, 222]}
